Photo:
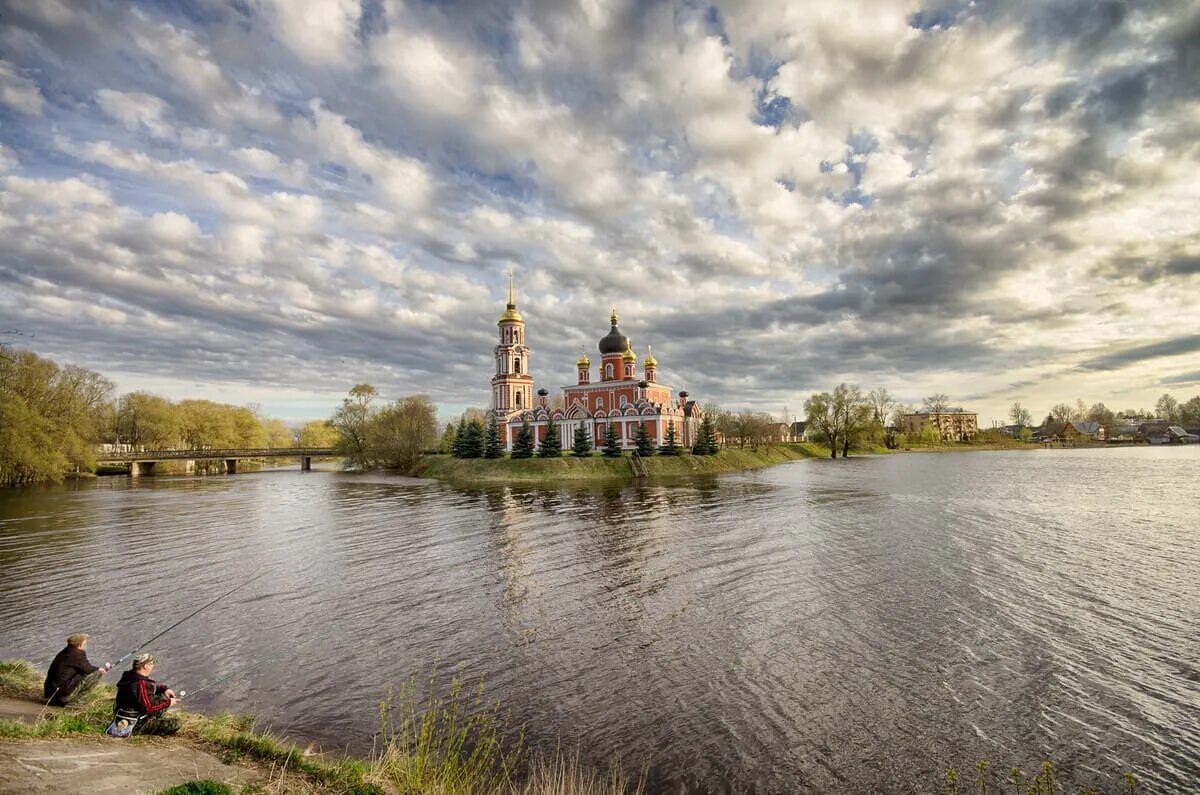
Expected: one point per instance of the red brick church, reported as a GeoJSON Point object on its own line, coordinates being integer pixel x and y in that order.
{"type": "Point", "coordinates": [618, 396]}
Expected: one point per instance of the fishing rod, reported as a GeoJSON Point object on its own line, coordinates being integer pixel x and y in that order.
{"type": "Point", "coordinates": [228, 676]}
{"type": "Point", "coordinates": [141, 646]}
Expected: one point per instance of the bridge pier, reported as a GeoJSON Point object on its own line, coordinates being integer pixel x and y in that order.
{"type": "Point", "coordinates": [139, 468]}
{"type": "Point", "coordinates": [306, 463]}
{"type": "Point", "coordinates": [231, 466]}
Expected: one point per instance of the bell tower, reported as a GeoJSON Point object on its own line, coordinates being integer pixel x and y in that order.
{"type": "Point", "coordinates": [512, 385]}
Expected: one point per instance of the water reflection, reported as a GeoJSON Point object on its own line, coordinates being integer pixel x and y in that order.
{"type": "Point", "coordinates": [821, 626]}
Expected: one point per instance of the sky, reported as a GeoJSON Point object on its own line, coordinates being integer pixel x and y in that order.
{"type": "Point", "coordinates": [269, 201]}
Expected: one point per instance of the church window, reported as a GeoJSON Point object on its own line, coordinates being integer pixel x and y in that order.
{"type": "Point", "coordinates": [516, 336]}
{"type": "Point", "coordinates": [517, 395]}
{"type": "Point", "coordinates": [599, 403]}
{"type": "Point", "coordinates": [517, 366]}
{"type": "Point", "coordinates": [624, 400]}
{"type": "Point", "coordinates": [608, 370]}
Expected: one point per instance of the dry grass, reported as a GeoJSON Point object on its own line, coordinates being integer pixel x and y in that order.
{"type": "Point", "coordinates": [563, 774]}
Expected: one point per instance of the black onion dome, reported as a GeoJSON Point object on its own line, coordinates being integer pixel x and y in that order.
{"type": "Point", "coordinates": [614, 341]}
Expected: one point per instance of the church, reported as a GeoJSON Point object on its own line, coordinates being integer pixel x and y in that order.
{"type": "Point", "coordinates": [617, 397]}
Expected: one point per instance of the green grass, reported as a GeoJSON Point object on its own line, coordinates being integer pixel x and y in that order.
{"type": "Point", "coordinates": [201, 787]}
{"type": "Point", "coordinates": [597, 468]}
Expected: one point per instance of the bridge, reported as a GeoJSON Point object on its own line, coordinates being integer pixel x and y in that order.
{"type": "Point", "coordinates": [141, 462]}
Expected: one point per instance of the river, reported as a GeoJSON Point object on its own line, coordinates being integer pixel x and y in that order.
{"type": "Point", "coordinates": [819, 626]}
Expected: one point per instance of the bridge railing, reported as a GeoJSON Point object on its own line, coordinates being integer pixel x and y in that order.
{"type": "Point", "coordinates": [200, 454]}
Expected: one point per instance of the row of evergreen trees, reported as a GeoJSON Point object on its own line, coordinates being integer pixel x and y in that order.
{"type": "Point", "coordinates": [476, 439]}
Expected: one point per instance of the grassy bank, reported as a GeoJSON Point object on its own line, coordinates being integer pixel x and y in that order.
{"type": "Point", "coordinates": [432, 740]}
{"type": "Point", "coordinates": [598, 468]}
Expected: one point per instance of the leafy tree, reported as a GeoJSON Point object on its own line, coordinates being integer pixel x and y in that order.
{"type": "Point", "coordinates": [523, 444]}
{"type": "Point", "coordinates": [1019, 414]}
{"type": "Point", "coordinates": [401, 432]}
{"type": "Point", "coordinates": [583, 442]}
{"type": "Point", "coordinates": [612, 444]}
{"type": "Point", "coordinates": [1189, 413]}
{"type": "Point", "coordinates": [854, 414]}
{"type": "Point", "coordinates": [50, 417]}
{"type": "Point", "coordinates": [492, 446]}
{"type": "Point", "coordinates": [316, 433]}
{"type": "Point", "coordinates": [642, 439]}
{"type": "Point", "coordinates": [446, 445]}
{"type": "Point", "coordinates": [1167, 408]}
{"type": "Point", "coordinates": [551, 446]}
{"type": "Point", "coordinates": [277, 433]}
{"type": "Point", "coordinates": [670, 444]}
{"type": "Point", "coordinates": [352, 421]}
{"type": "Point", "coordinates": [823, 417]}
{"type": "Point", "coordinates": [147, 421]}
{"type": "Point", "coordinates": [707, 443]}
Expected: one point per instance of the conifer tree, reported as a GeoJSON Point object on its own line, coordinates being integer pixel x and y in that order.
{"type": "Point", "coordinates": [707, 443]}
{"type": "Point", "coordinates": [523, 444]}
{"type": "Point", "coordinates": [642, 440]}
{"type": "Point", "coordinates": [472, 443]}
{"type": "Point", "coordinates": [612, 445]}
{"type": "Point", "coordinates": [460, 438]}
{"type": "Point", "coordinates": [551, 446]}
{"type": "Point", "coordinates": [492, 448]}
{"type": "Point", "coordinates": [583, 442]}
{"type": "Point", "coordinates": [670, 444]}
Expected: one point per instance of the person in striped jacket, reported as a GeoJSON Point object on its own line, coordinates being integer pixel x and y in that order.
{"type": "Point", "coordinates": [144, 702]}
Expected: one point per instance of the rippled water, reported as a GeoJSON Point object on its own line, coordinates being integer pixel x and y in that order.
{"type": "Point", "coordinates": [820, 626]}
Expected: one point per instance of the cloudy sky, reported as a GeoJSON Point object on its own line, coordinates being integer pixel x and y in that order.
{"type": "Point", "coordinates": [271, 200]}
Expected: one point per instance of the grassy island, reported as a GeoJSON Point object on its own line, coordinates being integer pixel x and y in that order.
{"type": "Point", "coordinates": [598, 468]}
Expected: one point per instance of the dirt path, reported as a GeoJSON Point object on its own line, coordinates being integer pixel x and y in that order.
{"type": "Point", "coordinates": [98, 764]}
{"type": "Point", "coordinates": [102, 765]}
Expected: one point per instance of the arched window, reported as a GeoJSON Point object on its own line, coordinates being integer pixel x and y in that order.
{"type": "Point", "coordinates": [608, 370]}
{"type": "Point", "coordinates": [517, 335]}
{"type": "Point", "coordinates": [518, 397]}
{"type": "Point", "coordinates": [517, 366]}
{"type": "Point", "coordinates": [624, 400]}
{"type": "Point", "coordinates": [599, 403]}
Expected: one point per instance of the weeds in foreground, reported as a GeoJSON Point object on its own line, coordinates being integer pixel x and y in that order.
{"type": "Point", "coordinates": [19, 679]}
{"type": "Point", "coordinates": [1042, 783]}
{"type": "Point", "coordinates": [201, 787]}
{"type": "Point", "coordinates": [564, 774]}
{"type": "Point", "coordinates": [452, 744]}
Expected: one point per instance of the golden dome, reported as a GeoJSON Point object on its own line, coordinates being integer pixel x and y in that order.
{"type": "Point", "coordinates": [510, 311]}
{"type": "Point", "coordinates": [650, 361]}
{"type": "Point", "coordinates": [628, 355]}
{"type": "Point", "coordinates": [583, 361]}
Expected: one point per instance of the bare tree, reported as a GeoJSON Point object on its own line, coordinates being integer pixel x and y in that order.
{"type": "Point", "coordinates": [1019, 414]}
{"type": "Point", "coordinates": [881, 402]}
{"type": "Point", "coordinates": [938, 403]}
{"type": "Point", "coordinates": [1062, 413]}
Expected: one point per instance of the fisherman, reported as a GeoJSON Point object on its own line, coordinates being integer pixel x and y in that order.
{"type": "Point", "coordinates": [71, 675]}
{"type": "Point", "coordinates": [142, 703]}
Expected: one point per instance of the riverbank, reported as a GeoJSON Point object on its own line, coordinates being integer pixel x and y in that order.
{"type": "Point", "coordinates": [449, 745]}
{"type": "Point", "coordinates": [598, 468]}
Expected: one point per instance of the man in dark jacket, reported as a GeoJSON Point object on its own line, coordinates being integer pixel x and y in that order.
{"type": "Point", "coordinates": [144, 702]}
{"type": "Point", "coordinates": [71, 675]}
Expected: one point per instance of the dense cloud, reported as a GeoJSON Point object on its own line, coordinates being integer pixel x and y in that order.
{"type": "Point", "coordinates": [991, 200]}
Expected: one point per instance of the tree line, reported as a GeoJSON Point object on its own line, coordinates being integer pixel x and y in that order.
{"type": "Point", "coordinates": [53, 417]}
{"type": "Point", "coordinates": [1167, 408]}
